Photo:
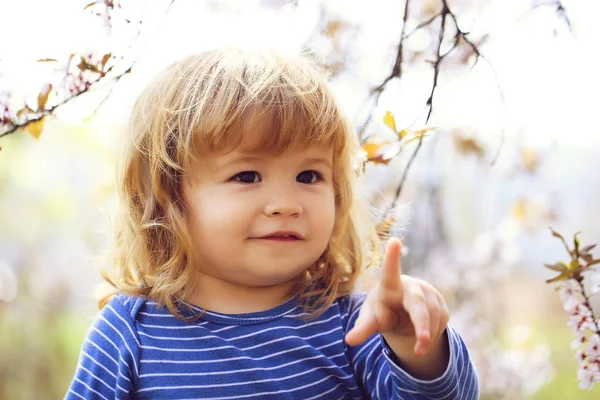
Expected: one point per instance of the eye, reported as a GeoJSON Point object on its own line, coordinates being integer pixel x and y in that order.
{"type": "Point", "coordinates": [309, 177]}
{"type": "Point", "coordinates": [247, 177]}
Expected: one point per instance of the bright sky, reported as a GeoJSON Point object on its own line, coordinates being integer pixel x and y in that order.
{"type": "Point", "coordinates": [550, 83]}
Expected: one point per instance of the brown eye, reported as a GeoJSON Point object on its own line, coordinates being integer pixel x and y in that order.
{"type": "Point", "coordinates": [309, 177]}
{"type": "Point", "coordinates": [247, 177]}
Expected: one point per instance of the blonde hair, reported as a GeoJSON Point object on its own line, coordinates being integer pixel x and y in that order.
{"type": "Point", "coordinates": [199, 105]}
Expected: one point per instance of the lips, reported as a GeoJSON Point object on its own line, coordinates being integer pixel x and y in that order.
{"type": "Point", "coordinates": [282, 235]}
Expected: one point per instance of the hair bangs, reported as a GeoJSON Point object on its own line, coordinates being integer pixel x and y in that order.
{"type": "Point", "coordinates": [289, 106]}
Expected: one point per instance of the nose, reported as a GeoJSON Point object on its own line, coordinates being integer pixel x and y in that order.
{"type": "Point", "coordinates": [283, 204]}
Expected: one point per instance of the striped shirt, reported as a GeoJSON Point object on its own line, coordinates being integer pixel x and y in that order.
{"type": "Point", "coordinates": [136, 349]}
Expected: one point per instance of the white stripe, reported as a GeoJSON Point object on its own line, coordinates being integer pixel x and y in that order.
{"type": "Point", "coordinates": [225, 359]}
{"type": "Point", "coordinates": [124, 377]}
{"type": "Point", "coordinates": [320, 395]}
{"type": "Point", "coordinates": [157, 315]}
{"type": "Point", "coordinates": [239, 348]}
{"type": "Point", "coordinates": [238, 358]}
{"type": "Point", "coordinates": [373, 367]}
{"type": "Point", "coordinates": [98, 364]}
{"type": "Point", "coordinates": [366, 346]}
{"type": "Point", "coordinates": [277, 392]}
{"type": "Point", "coordinates": [127, 324]}
{"type": "Point", "coordinates": [367, 366]}
{"type": "Point", "coordinates": [101, 350]}
{"type": "Point", "coordinates": [124, 342]}
{"type": "Point", "coordinates": [96, 377]}
{"type": "Point", "coordinates": [89, 388]}
{"type": "Point", "coordinates": [224, 316]}
{"type": "Point", "coordinates": [121, 389]}
{"type": "Point", "coordinates": [240, 370]}
{"type": "Point", "coordinates": [77, 394]}
{"type": "Point", "coordinates": [377, 385]}
{"type": "Point", "coordinates": [199, 325]}
{"type": "Point", "coordinates": [237, 337]}
{"type": "Point", "coordinates": [107, 338]}
{"type": "Point", "coordinates": [246, 383]}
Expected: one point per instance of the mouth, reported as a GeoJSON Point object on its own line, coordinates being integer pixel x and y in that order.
{"type": "Point", "coordinates": [282, 236]}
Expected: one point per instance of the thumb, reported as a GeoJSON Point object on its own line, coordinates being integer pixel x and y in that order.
{"type": "Point", "coordinates": [364, 327]}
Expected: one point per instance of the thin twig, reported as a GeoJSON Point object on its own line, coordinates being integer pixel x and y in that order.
{"type": "Point", "coordinates": [90, 85]}
{"type": "Point", "coordinates": [396, 71]}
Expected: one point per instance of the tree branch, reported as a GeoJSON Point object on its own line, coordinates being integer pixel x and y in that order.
{"type": "Point", "coordinates": [560, 11]}
{"type": "Point", "coordinates": [103, 77]}
{"type": "Point", "coordinates": [396, 70]}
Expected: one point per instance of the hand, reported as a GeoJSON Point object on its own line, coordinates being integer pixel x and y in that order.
{"type": "Point", "coordinates": [401, 307]}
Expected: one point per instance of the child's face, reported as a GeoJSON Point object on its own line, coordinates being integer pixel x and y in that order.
{"type": "Point", "coordinates": [241, 205]}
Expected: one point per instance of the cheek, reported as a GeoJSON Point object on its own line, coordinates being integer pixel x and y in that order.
{"type": "Point", "coordinates": [213, 217]}
{"type": "Point", "coordinates": [326, 216]}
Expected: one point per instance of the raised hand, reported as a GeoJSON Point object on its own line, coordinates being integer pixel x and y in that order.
{"type": "Point", "coordinates": [403, 309]}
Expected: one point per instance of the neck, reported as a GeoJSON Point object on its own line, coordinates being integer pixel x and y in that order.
{"type": "Point", "coordinates": [225, 297]}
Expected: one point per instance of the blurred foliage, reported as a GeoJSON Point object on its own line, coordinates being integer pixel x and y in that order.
{"type": "Point", "coordinates": [38, 349]}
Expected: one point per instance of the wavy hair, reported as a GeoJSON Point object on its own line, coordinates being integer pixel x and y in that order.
{"type": "Point", "coordinates": [199, 105]}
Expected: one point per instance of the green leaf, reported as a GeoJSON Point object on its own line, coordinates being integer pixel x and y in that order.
{"type": "Point", "coordinates": [576, 244]}
{"type": "Point", "coordinates": [561, 277]}
{"type": "Point", "coordinates": [574, 264]}
{"type": "Point", "coordinates": [556, 267]}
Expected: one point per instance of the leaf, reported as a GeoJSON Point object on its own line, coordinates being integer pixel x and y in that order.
{"type": "Point", "coordinates": [47, 60]}
{"type": "Point", "coordinates": [402, 133]}
{"type": "Point", "coordinates": [43, 96]}
{"type": "Point", "coordinates": [84, 65]}
{"type": "Point", "coordinates": [593, 262]}
{"type": "Point", "coordinates": [556, 267]}
{"type": "Point", "coordinates": [35, 127]}
{"type": "Point", "coordinates": [380, 153]}
{"type": "Point", "coordinates": [418, 135]}
{"type": "Point", "coordinates": [561, 277]}
{"type": "Point", "coordinates": [105, 59]}
{"type": "Point", "coordinates": [558, 235]}
{"type": "Point", "coordinates": [576, 244]}
{"type": "Point", "coordinates": [573, 265]}
{"type": "Point", "coordinates": [24, 111]}
{"type": "Point", "coordinates": [469, 145]}
{"type": "Point", "coordinates": [389, 120]}
{"type": "Point", "coordinates": [588, 248]}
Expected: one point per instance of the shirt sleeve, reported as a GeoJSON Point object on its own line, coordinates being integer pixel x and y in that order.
{"type": "Point", "coordinates": [109, 357]}
{"type": "Point", "coordinates": [381, 376]}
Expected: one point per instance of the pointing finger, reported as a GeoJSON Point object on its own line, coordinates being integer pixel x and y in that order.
{"type": "Point", "coordinates": [391, 269]}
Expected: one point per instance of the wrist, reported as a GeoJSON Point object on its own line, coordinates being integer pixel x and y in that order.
{"type": "Point", "coordinates": [430, 365]}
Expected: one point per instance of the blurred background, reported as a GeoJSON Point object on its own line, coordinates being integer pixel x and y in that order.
{"type": "Point", "coordinates": [507, 88]}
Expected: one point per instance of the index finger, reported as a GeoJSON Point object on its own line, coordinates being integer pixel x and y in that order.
{"type": "Point", "coordinates": [391, 269]}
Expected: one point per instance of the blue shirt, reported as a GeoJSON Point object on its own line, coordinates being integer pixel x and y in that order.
{"type": "Point", "coordinates": [135, 349]}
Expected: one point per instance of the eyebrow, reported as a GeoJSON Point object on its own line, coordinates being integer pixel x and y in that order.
{"type": "Point", "coordinates": [250, 158]}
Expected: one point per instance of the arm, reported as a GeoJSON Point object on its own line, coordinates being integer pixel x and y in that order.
{"type": "Point", "coordinates": [408, 318]}
{"type": "Point", "coordinates": [108, 361]}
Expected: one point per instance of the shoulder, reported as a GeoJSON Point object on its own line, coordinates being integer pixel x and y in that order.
{"type": "Point", "coordinates": [117, 319]}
